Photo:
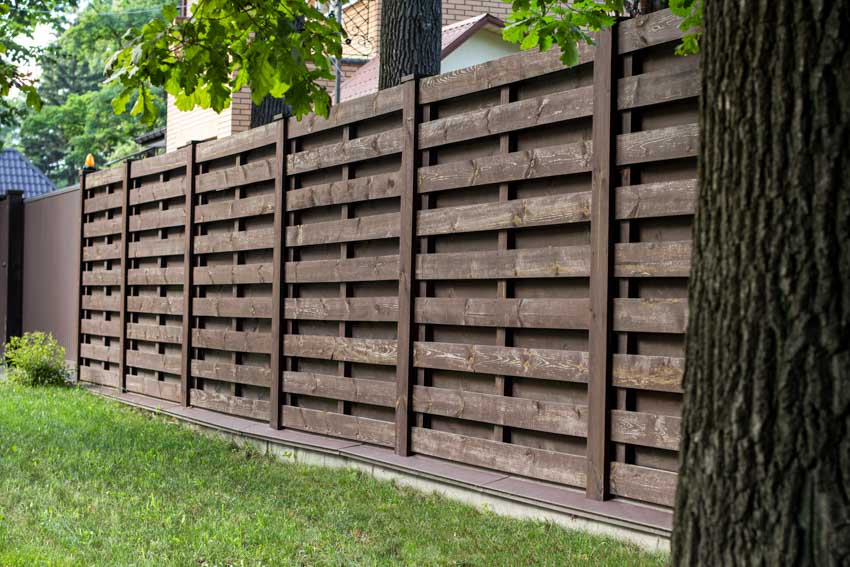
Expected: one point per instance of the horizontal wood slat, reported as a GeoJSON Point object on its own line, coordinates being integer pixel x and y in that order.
{"type": "Point", "coordinates": [102, 228]}
{"type": "Point", "coordinates": [99, 376]}
{"type": "Point", "coordinates": [158, 164]}
{"type": "Point", "coordinates": [520, 115]}
{"type": "Point", "coordinates": [536, 415]}
{"type": "Point", "coordinates": [154, 333]}
{"type": "Point", "coordinates": [231, 405]}
{"type": "Point", "coordinates": [250, 307]}
{"type": "Point", "coordinates": [652, 259]}
{"type": "Point", "coordinates": [168, 363]}
{"type": "Point", "coordinates": [162, 191]}
{"type": "Point", "coordinates": [104, 202]}
{"type": "Point", "coordinates": [359, 149]}
{"type": "Point", "coordinates": [155, 276]}
{"type": "Point", "coordinates": [382, 102]}
{"type": "Point", "coordinates": [234, 373]}
{"type": "Point", "coordinates": [152, 220]}
{"type": "Point", "coordinates": [659, 373]}
{"type": "Point", "coordinates": [519, 213]}
{"type": "Point", "coordinates": [237, 176]}
{"type": "Point", "coordinates": [343, 309]}
{"type": "Point", "coordinates": [647, 30]}
{"type": "Point", "coordinates": [543, 464]}
{"type": "Point", "coordinates": [664, 199]}
{"type": "Point", "coordinates": [238, 143]}
{"type": "Point", "coordinates": [152, 248]}
{"type": "Point", "coordinates": [235, 241]}
{"type": "Point", "coordinates": [157, 305]}
{"type": "Point", "coordinates": [646, 429]}
{"type": "Point", "coordinates": [516, 166]}
{"type": "Point", "coordinates": [656, 88]}
{"type": "Point", "coordinates": [373, 187]}
{"type": "Point", "coordinates": [100, 252]}
{"type": "Point", "coordinates": [643, 483]}
{"type": "Point", "coordinates": [367, 351]}
{"type": "Point", "coordinates": [370, 268]}
{"type": "Point", "coordinates": [100, 352]}
{"type": "Point", "coordinates": [561, 261]}
{"type": "Point", "coordinates": [365, 228]}
{"type": "Point", "coordinates": [229, 275]}
{"type": "Point", "coordinates": [340, 425]}
{"type": "Point", "coordinates": [546, 364]}
{"type": "Point", "coordinates": [373, 392]}
{"type": "Point", "coordinates": [105, 177]}
{"type": "Point", "coordinates": [662, 144]}
{"type": "Point", "coordinates": [523, 313]}
{"type": "Point", "coordinates": [102, 277]}
{"type": "Point", "coordinates": [101, 302]}
{"type": "Point", "coordinates": [240, 208]}
{"type": "Point", "coordinates": [238, 341]}
{"type": "Point", "coordinates": [100, 327]}
{"type": "Point", "coordinates": [165, 390]}
{"type": "Point", "coordinates": [651, 315]}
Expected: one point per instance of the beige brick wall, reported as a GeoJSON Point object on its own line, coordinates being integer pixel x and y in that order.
{"type": "Point", "coordinates": [457, 10]}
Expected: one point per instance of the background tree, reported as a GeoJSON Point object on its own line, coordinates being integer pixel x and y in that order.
{"type": "Point", "coordinates": [411, 40]}
{"type": "Point", "coordinates": [765, 459]}
{"type": "Point", "coordinates": [77, 117]}
{"type": "Point", "coordinates": [18, 23]}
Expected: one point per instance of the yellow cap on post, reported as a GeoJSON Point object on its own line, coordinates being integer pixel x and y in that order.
{"type": "Point", "coordinates": [89, 161]}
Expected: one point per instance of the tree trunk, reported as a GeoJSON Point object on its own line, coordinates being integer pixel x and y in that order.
{"type": "Point", "coordinates": [411, 33]}
{"type": "Point", "coordinates": [765, 472]}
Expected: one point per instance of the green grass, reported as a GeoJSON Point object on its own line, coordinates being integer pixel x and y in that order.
{"type": "Point", "coordinates": [86, 481]}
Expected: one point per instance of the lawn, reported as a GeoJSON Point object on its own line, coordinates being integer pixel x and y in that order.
{"type": "Point", "coordinates": [86, 481]}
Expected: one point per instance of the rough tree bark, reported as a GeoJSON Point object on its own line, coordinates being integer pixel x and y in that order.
{"type": "Point", "coordinates": [410, 39]}
{"type": "Point", "coordinates": [765, 472]}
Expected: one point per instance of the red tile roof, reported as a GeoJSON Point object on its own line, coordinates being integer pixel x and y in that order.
{"type": "Point", "coordinates": [365, 80]}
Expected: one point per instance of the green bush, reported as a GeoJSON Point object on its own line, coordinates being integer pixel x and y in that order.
{"type": "Point", "coordinates": [35, 359]}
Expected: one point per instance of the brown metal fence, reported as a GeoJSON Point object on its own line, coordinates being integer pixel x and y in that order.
{"type": "Point", "coordinates": [488, 266]}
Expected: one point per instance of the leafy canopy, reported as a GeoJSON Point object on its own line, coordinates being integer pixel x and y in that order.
{"type": "Point", "coordinates": [544, 23]}
{"type": "Point", "coordinates": [278, 47]}
{"type": "Point", "coordinates": [18, 22]}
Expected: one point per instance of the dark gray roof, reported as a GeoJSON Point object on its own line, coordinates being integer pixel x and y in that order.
{"type": "Point", "coordinates": [16, 172]}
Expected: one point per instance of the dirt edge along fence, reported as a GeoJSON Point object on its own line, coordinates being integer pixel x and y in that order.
{"type": "Point", "coordinates": [488, 266]}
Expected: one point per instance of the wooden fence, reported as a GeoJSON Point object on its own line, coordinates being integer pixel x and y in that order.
{"type": "Point", "coordinates": [488, 266]}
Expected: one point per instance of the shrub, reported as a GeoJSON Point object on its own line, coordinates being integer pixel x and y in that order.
{"type": "Point", "coordinates": [35, 359]}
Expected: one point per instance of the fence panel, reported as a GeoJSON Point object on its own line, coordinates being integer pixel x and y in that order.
{"type": "Point", "coordinates": [488, 267]}
{"type": "Point", "coordinates": [154, 320]}
{"type": "Point", "coordinates": [102, 260]}
{"type": "Point", "coordinates": [232, 288]}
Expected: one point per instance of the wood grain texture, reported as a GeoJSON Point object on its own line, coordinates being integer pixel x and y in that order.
{"type": "Point", "coordinates": [152, 192]}
{"type": "Point", "coordinates": [657, 373]}
{"type": "Point", "coordinates": [249, 307]}
{"type": "Point", "coordinates": [653, 260]}
{"type": "Point", "coordinates": [156, 305]}
{"type": "Point", "coordinates": [518, 213]}
{"type": "Point", "coordinates": [563, 468]}
{"type": "Point", "coordinates": [382, 102]}
{"type": "Point", "coordinates": [230, 210]}
{"type": "Point", "coordinates": [241, 241]}
{"type": "Point", "coordinates": [367, 351]}
{"type": "Point", "coordinates": [550, 262]}
{"type": "Point", "coordinates": [546, 364]}
{"type": "Point", "coordinates": [535, 415]}
{"type": "Point", "coordinates": [238, 341]}
{"type": "Point", "coordinates": [236, 144]}
{"type": "Point", "coordinates": [343, 309]}
{"type": "Point", "coordinates": [674, 142]}
{"type": "Point", "coordinates": [646, 429]}
{"type": "Point", "coordinates": [663, 199]}
{"type": "Point", "coordinates": [373, 392]}
{"type": "Point", "coordinates": [643, 483]}
{"type": "Point", "coordinates": [521, 313]}
{"type": "Point", "coordinates": [369, 268]}
{"type": "Point", "coordinates": [171, 334]}
{"type": "Point", "coordinates": [103, 202]}
{"type": "Point", "coordinates": [651, 315]}
{"type": "Point", "coordinates": [352, 230]}
{"type": "Point", "coordinates": [360, 429]}
{"type": "Point", "coordinates": [515, 166]}
{"type": "Point", "coordinates": [152, 361]}
{"type": "Point", "coordinates": [154, 220]}
{"type": "Point", "coordinates": [155, 276]}
{"type": "Point", "coordinates": [234, 373]}
{"type": "Point", "coordinates": [381, 186]}
{"type": "Point", "coordinates": [359, 149]}
{"type": "Point", "coordinates": [231, 405]}
{"type": "Point", "coordinates": [261, 273]}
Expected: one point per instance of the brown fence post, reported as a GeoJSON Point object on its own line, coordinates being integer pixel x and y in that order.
{"type": "Point", "coordinates": [188, 275]}
{"type": "Point", "coordinates": [80, 246]}
{"type": "Point", "coordinates": [601, 254]}
{"type": "Point", "coordinates": [122, 317]}
{"type": "Point", "coordinates": [407, 263]}
{"type": "Point", "coordinates": [278, 275]}
{"type": "Point", "coordinates": [11, 265]}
